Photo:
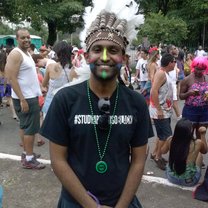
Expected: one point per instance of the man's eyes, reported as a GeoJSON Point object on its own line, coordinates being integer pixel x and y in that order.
{"type": "Point", "coordinates": [24, 37]}
{"type": "Point", "coordinates": [110, 50]}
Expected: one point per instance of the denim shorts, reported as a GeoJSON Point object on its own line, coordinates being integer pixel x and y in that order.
{"type": "Point", "coordinates": [163, 128]}
{"type": "Point", "coordinates": [196, 114]}
{"type": "Point", "coordinates": [142, 84]}
{"type": "Point", "coordinates": [184, 182]}
{"type": "Point", "coordinates": [30, 121]}
{"type": "Point", "coordinates": [64, 203]}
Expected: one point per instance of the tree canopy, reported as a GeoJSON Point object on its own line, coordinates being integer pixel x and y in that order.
{"type": "Point", "coordinates": [159, 28]}
{"type": "Point", "coordinates": [178, 21]}
{"type": "Point", "coordinates": [58, 15]}
{"type": "Point", "coordinates": [192, 12]}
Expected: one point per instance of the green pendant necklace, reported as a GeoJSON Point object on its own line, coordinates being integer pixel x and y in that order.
{"type": "Point", "coordinates": [101, 166]}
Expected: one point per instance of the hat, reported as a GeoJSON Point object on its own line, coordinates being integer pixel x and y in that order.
{"type": "Point", "coordinates": [201, 191]}
{"type": "Point", "coordinates": [115, 21]}
{"type": "Point", "coordinates": [153, 49]}
{"type": "Point", "coordinates": [43, 48]}
{"type": "Point", "coordinates": [81, 51]}
{"type": "Point", "coordinates": [75, 49]}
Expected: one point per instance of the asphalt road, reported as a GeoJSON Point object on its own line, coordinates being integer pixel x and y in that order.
{"type": "Point", "coordinates": [40, 189]}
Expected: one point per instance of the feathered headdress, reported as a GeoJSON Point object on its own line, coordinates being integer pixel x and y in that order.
{"type": "Point", "coordinates": [111, 20]}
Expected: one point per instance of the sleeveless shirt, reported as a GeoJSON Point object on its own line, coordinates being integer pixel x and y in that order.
{"type": "Point", "coordinates": [27, 77]}
{"type": "Point", "coordinates": [165, 96]}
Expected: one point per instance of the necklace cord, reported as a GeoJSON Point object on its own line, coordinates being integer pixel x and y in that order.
{"type": "Point", "coordinates": [101, 155]}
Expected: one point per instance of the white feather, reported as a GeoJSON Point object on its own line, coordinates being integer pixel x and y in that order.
{"type": "Point", "coordinates": [120, 9]}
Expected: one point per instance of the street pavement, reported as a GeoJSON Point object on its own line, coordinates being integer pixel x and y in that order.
{"type": "Point", "coordinates": [40, 188]}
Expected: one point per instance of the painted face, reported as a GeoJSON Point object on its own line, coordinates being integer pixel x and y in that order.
{"type": "Point", "coordinates": [105, 59]}
{"type": "Point", "coordinates": [199, 71]}
{"type": "Point", "coordinates": [23, 39]}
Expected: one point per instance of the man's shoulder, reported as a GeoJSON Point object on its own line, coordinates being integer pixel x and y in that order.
{"type": "Point", "coordinates": [15, 54]}
{"type": "Point", "coordinates": [73, 89]}
{"type": "Point", "coordinates": [160, 73]}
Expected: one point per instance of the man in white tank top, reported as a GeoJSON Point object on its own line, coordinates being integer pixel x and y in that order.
{"type": "Point", "coordinates": [21, 73]}
{"type": "Point", "coordinates": [161, 104]}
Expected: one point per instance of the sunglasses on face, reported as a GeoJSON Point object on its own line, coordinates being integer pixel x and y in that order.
{"type": "Point", "coordinates": [104, 108]}
{"type": "Point", "coordinates": [199, 69]}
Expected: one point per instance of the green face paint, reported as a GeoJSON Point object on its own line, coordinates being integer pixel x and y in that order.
{"type": "Point", "coordinates": [104, 54]}
{"type": "Point", "coordinates": [104, 74]}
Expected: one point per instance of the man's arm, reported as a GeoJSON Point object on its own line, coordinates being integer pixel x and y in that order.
{"type": "Point", "coordinates": [133, 180]}
{"type": "Point", "coordinates": [12, 68]}
{"type": "Point", "coordinates": [67, 176]}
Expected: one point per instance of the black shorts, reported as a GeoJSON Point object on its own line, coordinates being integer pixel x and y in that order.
{"type": "Point", "coordinates": [163, 128]}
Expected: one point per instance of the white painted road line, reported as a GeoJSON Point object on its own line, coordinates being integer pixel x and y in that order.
{"type": "Point", "coordinates": [145, 178]}
{"type": "Point", "coordinates": [163, 181]}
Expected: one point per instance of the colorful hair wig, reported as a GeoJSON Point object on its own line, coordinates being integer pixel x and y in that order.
{"type": "Point", "coordinates": [200, 62]}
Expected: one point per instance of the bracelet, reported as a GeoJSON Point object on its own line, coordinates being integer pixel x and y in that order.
{"type": "Point", "coordinates": [95, 198]}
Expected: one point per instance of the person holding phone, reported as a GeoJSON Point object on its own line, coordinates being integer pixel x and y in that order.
{"type": "Point", "coordinates": [194, 90]}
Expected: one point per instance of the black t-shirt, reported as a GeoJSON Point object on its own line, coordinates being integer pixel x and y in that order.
{"type": "Point", "coordinates": [69, 123]}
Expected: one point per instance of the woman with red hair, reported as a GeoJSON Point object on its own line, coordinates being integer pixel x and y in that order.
{"type": "Point", "coordinates": [194, 90]}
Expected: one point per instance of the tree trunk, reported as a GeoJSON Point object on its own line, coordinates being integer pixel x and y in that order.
{"type": "Point", "coordinates": [52, 34]}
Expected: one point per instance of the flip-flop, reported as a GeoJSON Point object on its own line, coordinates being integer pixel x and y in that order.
{"type": "Point", "coordinates": [40, 143]}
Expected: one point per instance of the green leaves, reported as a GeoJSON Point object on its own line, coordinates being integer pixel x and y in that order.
{"type": "Point", "coordinates": [158, 27]}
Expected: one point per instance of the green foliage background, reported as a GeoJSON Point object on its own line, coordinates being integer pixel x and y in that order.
{"type": "Point", "coordinates": [182, 22]}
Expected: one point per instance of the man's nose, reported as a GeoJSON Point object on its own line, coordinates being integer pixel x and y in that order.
{"type": "Point", "coordinates": [104, 55]}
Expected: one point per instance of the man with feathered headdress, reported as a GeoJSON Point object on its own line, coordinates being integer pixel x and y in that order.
{"type": "Point", "coordinates": [94, 126]}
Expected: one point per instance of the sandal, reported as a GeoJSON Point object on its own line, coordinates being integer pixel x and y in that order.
{"type": "Point", "coordinates": [152, 157]}
{"type": "Point", "coordinates": [40, 143]}
{"type": "Point", "coordinates": [160, 163]}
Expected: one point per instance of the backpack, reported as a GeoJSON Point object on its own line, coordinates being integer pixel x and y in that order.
{"type": "Point", "coordinates": [201, 191]}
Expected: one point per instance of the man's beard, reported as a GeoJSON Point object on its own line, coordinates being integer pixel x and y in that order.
{"type": "Point", "coordinates": [115, 68]}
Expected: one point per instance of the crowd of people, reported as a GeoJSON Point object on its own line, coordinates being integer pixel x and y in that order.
{"type": "Point", "coordinates": [97, 123]}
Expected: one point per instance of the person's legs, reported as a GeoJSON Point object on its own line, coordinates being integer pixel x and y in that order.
{"type": "Point", "coordinates": [155, 148]}
{"type": "Point", "coordinates": [29, 159]}
{"type": "Point", "coordinates": [158, 154]}
{"type": "Point", "coordinates": [199, 160]}
{"type": "Point", "coordinates": [164, 131]}
{"type": "Point", "coordinates": [21, 133]}
{"type": "Point", "coordinates": [39, 138]}
{"type": "Point", "coordinates": [28, 144]}
{"type": "Point", "coordinates": [189, 182]}
{"type": "Point", "coordinates": [176, 109]}
{"type": "Point", "coordinates": [29, 126]}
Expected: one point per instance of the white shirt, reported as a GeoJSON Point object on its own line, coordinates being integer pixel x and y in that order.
{"type": "Point", "coordinates": [142, 67]}
{"type": "Point", "coordinates": [200, 53]}
{"type": "Point", "coordinates": [27, 77]}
